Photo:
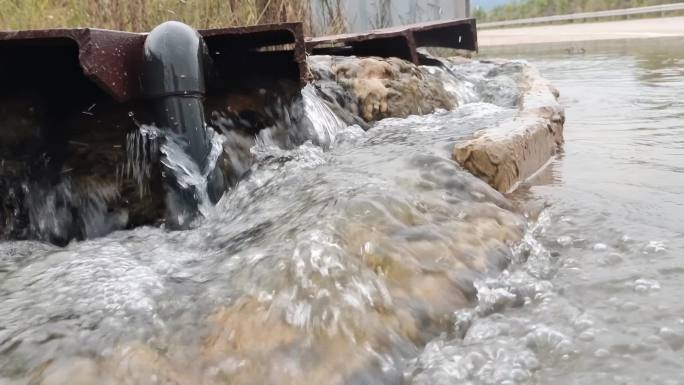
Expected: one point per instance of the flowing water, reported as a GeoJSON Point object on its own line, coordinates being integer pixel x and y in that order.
{"type": "Point", "coordinates": [615, 224]}
{"type": "Point", "coordinates": [370, 257]}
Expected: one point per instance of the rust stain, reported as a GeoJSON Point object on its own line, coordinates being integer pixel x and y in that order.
{"type": "Point", "coordinates": [113, 59]}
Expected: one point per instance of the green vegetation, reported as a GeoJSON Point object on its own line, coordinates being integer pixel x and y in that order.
{"type": "Point", "coordinates": [142, 15]}
{"type": "Point", "coordinates": [538, 8]}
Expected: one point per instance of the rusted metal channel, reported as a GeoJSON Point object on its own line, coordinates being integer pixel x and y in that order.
{"type": "Point", "coordinates": [401, 42]}
{"type": "Point", "coordinates": [112, 59]}
{"type": "Point", "coordinates": [72, 102]}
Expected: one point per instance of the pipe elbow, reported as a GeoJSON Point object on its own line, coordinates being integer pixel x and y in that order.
{"type": "Point", "coordinates": [174, 55]}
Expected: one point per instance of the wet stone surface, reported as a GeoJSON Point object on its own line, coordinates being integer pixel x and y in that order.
{"type": "Point", "coordinates": [370, 256]}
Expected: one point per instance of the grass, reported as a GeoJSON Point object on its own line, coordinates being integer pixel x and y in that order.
{"type": "Point", "coordinates": [143, 15]}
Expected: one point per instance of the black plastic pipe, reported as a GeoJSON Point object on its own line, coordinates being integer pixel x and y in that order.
{"type": "Point", "coordinates": [175, 58]}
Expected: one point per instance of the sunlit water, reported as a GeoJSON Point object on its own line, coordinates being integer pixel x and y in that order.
{"type": "Point", "coordinates": [370, 257]}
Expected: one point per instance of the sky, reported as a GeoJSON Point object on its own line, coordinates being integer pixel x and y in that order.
{"type": "Point", "coordinates": [488, 4]}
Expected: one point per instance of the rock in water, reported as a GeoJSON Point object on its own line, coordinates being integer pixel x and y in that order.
{"type": "Point", "coordinates": [381, 88]}
{"type": "Point", "coordinates": [508, 154]}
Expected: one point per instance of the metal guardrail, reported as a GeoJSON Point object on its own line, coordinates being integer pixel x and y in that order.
{"type": "Point", "coordinates": [587, 15]}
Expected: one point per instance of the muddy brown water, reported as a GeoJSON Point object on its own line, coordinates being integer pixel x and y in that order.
{"type": "Point", "coordinates": [374, 259]}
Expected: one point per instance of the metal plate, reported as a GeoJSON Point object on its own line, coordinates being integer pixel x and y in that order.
{"type": "Point", "coordinates": [112, 59]}
{"type": "Point", "coordinates": [399, 41]}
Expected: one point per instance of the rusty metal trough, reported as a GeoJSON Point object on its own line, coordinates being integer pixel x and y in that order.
{"type": "Point", "coordinates": [401, 42]}
{"type": "Point", "coordinates": [54, 61]}
{"type": "Point", "coordinates": [112, 59]}
{"type": "Point", "coordinates": [70, 99]}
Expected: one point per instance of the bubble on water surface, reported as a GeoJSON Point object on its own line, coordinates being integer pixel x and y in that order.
{"type": "Point", "coordinates": [643, 285]}
{"type": "Point", "coordinates": [654, 247]}
{"type": "Point", "coordinates": [564, 241]}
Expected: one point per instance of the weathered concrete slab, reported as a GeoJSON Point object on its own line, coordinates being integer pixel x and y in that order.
{"type": "Point", "coordinates": [506, 155]}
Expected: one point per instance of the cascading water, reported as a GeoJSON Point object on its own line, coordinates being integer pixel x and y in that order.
{"type": "Point", "coordinates": [344, 256]}
{"type": "Point", "coordinates": [188, 175]}
{"type": "Point", "coordinates": [307, 118]}
{"type": "Point", "coordinates": [325, 124]}
{"type": "Point", "coordinates": [142, 154]}
{"type": "Point", "coordinates": [461, 88]}
{"type": "Point", "coordinates": [71, 207]}
{"type": "Point", "coordinates": [320, 231]}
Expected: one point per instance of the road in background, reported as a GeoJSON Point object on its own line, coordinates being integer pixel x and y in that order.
{"type": "Point", "coordinates": [569, 33]}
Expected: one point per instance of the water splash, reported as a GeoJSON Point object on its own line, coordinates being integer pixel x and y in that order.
{"type": "Point", "coordinates": [149, 146]}
{"type": "Point", "coordinates": [325, 123]}
{"type": "Point", "coordinates": [142, 154]}
{"type": "Point", "coordinates": [306, 118]}
{"type": "Point", "coordinates": [481, 81]}
{"type": "Point", "coordinates": [71, 207]}
{"type": "Point", "coordinates": [461, 88]}
{"type": "Point", "coordinates": [188, 175]}
{"type": "Point", "coordinates": [497, 347]}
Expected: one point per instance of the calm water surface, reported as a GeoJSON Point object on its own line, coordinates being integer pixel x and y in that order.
{"type": "Point", "coordinates": [616, 216]}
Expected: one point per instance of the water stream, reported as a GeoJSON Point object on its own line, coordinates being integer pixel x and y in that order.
{"type": "Point", "coordinates": [615, 224]}
{"type": "Point", "coordinates": [362, 257]}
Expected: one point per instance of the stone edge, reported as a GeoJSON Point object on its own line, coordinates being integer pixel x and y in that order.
{"type": "Point", "coordinates": [508, 154]}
